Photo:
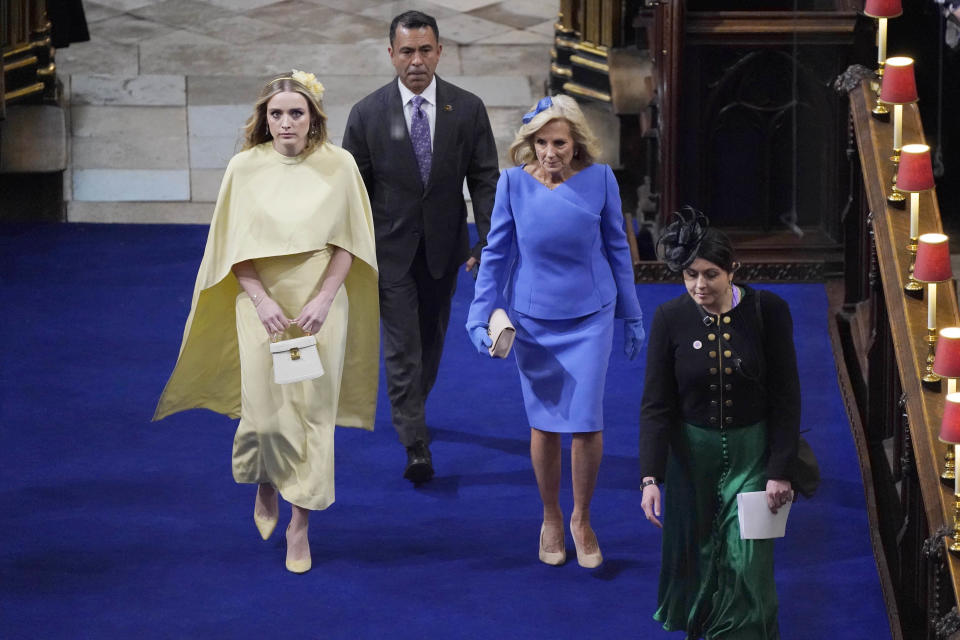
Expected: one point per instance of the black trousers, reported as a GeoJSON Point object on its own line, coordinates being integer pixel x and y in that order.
{"type": "Point", "coordinates": [414, 314]}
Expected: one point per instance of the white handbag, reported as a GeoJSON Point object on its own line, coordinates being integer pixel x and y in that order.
{"type": "Point", "coordinates": [501, 332]}
{"type": "Point", "coordinates": [295, 360]}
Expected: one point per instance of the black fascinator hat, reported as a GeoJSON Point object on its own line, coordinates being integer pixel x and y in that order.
{"type": "Point", "coordinates": [689, 236]}
{"type": "Point", "coordinates": [679, 244]}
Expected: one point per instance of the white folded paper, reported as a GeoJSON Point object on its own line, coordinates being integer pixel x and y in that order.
{"type": "Point", "coordinates": [757, 522]}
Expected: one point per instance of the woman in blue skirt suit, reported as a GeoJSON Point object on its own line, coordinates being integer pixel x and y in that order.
{"type": "Point", "coordinates": [558, 252]}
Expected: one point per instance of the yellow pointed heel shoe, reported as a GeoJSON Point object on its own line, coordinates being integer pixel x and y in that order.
{"type": "Point", "coordinates": [266, 524]}
{"type": "Point", "coordinates": [298, 566]}
{"type": "Point", "coordinates": [553, 558]}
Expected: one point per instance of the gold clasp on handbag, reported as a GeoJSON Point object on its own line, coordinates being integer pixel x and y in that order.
{"type": "Point", "coordinates": [294, 353]}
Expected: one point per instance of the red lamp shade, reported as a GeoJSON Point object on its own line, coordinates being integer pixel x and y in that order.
{"type": "Point", "coordinates": [950, 425]}
{"type": "Point", "coordinates": [933, 258]}
{"type": "Point", "coordinates": [916, 171]}
{"type": "Point", "coordinates": [899, 86]}
{"type": "Point", "coordinates": [947, 361]}
{"type": "Point", "coordinates": [883, 8]}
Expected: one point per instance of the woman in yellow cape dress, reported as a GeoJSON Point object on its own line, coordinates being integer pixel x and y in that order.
{"type": "Point", "coordinates": [290, 250]}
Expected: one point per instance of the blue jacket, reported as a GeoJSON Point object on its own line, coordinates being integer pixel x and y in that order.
{"type": "Point", "coordinates": [561, 253]}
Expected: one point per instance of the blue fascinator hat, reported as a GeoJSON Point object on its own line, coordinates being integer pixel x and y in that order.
{"type": "Point", "coordinates": [545, 103]}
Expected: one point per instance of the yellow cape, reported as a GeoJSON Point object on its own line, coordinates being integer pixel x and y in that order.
{"type": "Point", "coordinates": [271, 205]}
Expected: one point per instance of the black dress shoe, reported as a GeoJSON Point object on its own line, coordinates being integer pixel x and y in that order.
{"type": "Point", "coordinates": [419, 463]}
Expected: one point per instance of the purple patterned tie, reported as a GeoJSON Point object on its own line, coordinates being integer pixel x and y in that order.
{"type": "Point", "coordinates": [420, 136]}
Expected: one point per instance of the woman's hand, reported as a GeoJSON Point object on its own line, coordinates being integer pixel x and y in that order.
{"type": "Point", "coordinates": [481, 341]}
{"type": "Point", "coordinates": [272, 316]}
{"type": "Point", "coordinates": [651, 504]}
{"type": "Point", "coordinates": [633, 336]}
{"type": "Point", "coordinates": [314, 313]}
{"type": "Point", "coordinates": [779, 493]}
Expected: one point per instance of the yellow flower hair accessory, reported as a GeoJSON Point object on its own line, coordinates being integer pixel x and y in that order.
{"type": "Point", "coordinates": [310, 82]}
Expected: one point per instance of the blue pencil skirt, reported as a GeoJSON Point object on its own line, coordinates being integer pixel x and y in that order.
{"type": "Point", "coordinates": [563, 369]}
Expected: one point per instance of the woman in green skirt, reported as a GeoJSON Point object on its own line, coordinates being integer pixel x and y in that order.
{"type": "Point", "coordinates": [720, 416]}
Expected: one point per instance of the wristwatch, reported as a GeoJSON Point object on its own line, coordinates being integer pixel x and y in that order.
{"type": "Point", "coordinates": [647, 483]}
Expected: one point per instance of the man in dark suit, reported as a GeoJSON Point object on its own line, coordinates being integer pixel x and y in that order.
{"type": "Point", "coordinates": [415, 141]}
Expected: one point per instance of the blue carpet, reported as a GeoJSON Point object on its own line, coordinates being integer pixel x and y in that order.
{"type": "Point", "coordinates": [114, 527]}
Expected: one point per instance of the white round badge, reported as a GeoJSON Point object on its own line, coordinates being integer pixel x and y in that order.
{"type": "Point", "coordinates": [697, 344]}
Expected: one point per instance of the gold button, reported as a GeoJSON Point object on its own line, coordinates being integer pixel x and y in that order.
{"type": "Point", "coordinates": [713, 354]}
{"type": "Point", "coordinates": [726, 336]}
{"type": "Point", "coordinates": [713, 371]}
{"type": "Point", "coordinates": [727, 354]}
{"type": "Point", "coordinates": [726, 320]}
{"type": "Point", "coordinates": [729, 403]}
{"type": "Point", "coordinates": [727, 370]}
{"type": "Point", "coordinates": [711, 337]}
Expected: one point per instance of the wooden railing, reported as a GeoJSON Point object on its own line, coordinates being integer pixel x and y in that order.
{"type": "Point", "coordinates": [882, 350]}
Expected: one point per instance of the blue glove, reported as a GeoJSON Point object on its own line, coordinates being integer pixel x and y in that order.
{"type": "Point", "coordinates": [480, 339]}
{"type": "Point", "coordinates": [633, 335]}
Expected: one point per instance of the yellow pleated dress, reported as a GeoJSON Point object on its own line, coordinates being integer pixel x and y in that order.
{"type": "Point", "coordinates": [287, 215]}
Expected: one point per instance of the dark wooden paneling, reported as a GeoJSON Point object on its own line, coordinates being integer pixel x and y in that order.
{"type": "Point", "coordinates": [749, 129]}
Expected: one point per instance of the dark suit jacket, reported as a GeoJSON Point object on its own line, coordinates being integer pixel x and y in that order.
{"type": "Point", "coordinates": [403, 209]}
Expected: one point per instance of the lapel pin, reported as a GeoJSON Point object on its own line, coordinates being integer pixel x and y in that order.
{"type": "Point", "coordinates": [448, 107]}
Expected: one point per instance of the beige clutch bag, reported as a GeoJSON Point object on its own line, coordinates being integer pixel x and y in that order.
{"type": "Point", "coordinates": [501, 332]}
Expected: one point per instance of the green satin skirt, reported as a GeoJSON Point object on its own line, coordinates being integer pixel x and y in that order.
{"type": "Point", "coordinates": [714, 585]}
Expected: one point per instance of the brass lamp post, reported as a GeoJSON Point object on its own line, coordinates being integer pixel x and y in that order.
{"type": "Point", "coordinates": [914, 176]}
{"type": "Point", "coordinates": [899, 87]}
{"type": "Point", "coordinates": [882, 10]}
{"type": "Point", "coordinates": [947, 365]}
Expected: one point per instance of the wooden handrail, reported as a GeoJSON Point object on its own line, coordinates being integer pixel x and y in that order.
{"type": "Point", "coordinates": [906, 329]}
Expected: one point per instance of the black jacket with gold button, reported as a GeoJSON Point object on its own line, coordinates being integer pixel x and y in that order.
{"type": "Point", "coordinates": [722, 371]}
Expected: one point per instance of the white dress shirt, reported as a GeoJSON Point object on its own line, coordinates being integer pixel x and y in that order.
{"type": "Point", "coordinates": [429, 105]}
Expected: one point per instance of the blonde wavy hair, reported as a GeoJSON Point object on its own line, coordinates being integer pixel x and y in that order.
{"type": "Point", "coordinates": [586, 146]}
{"type": "Point", "coordinates": [256, 131]}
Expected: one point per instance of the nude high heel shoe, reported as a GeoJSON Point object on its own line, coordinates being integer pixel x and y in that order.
{"type": "Point", "coordinates": [584, 559]}
{"type": "Point", "coordinates": [553, 558]}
